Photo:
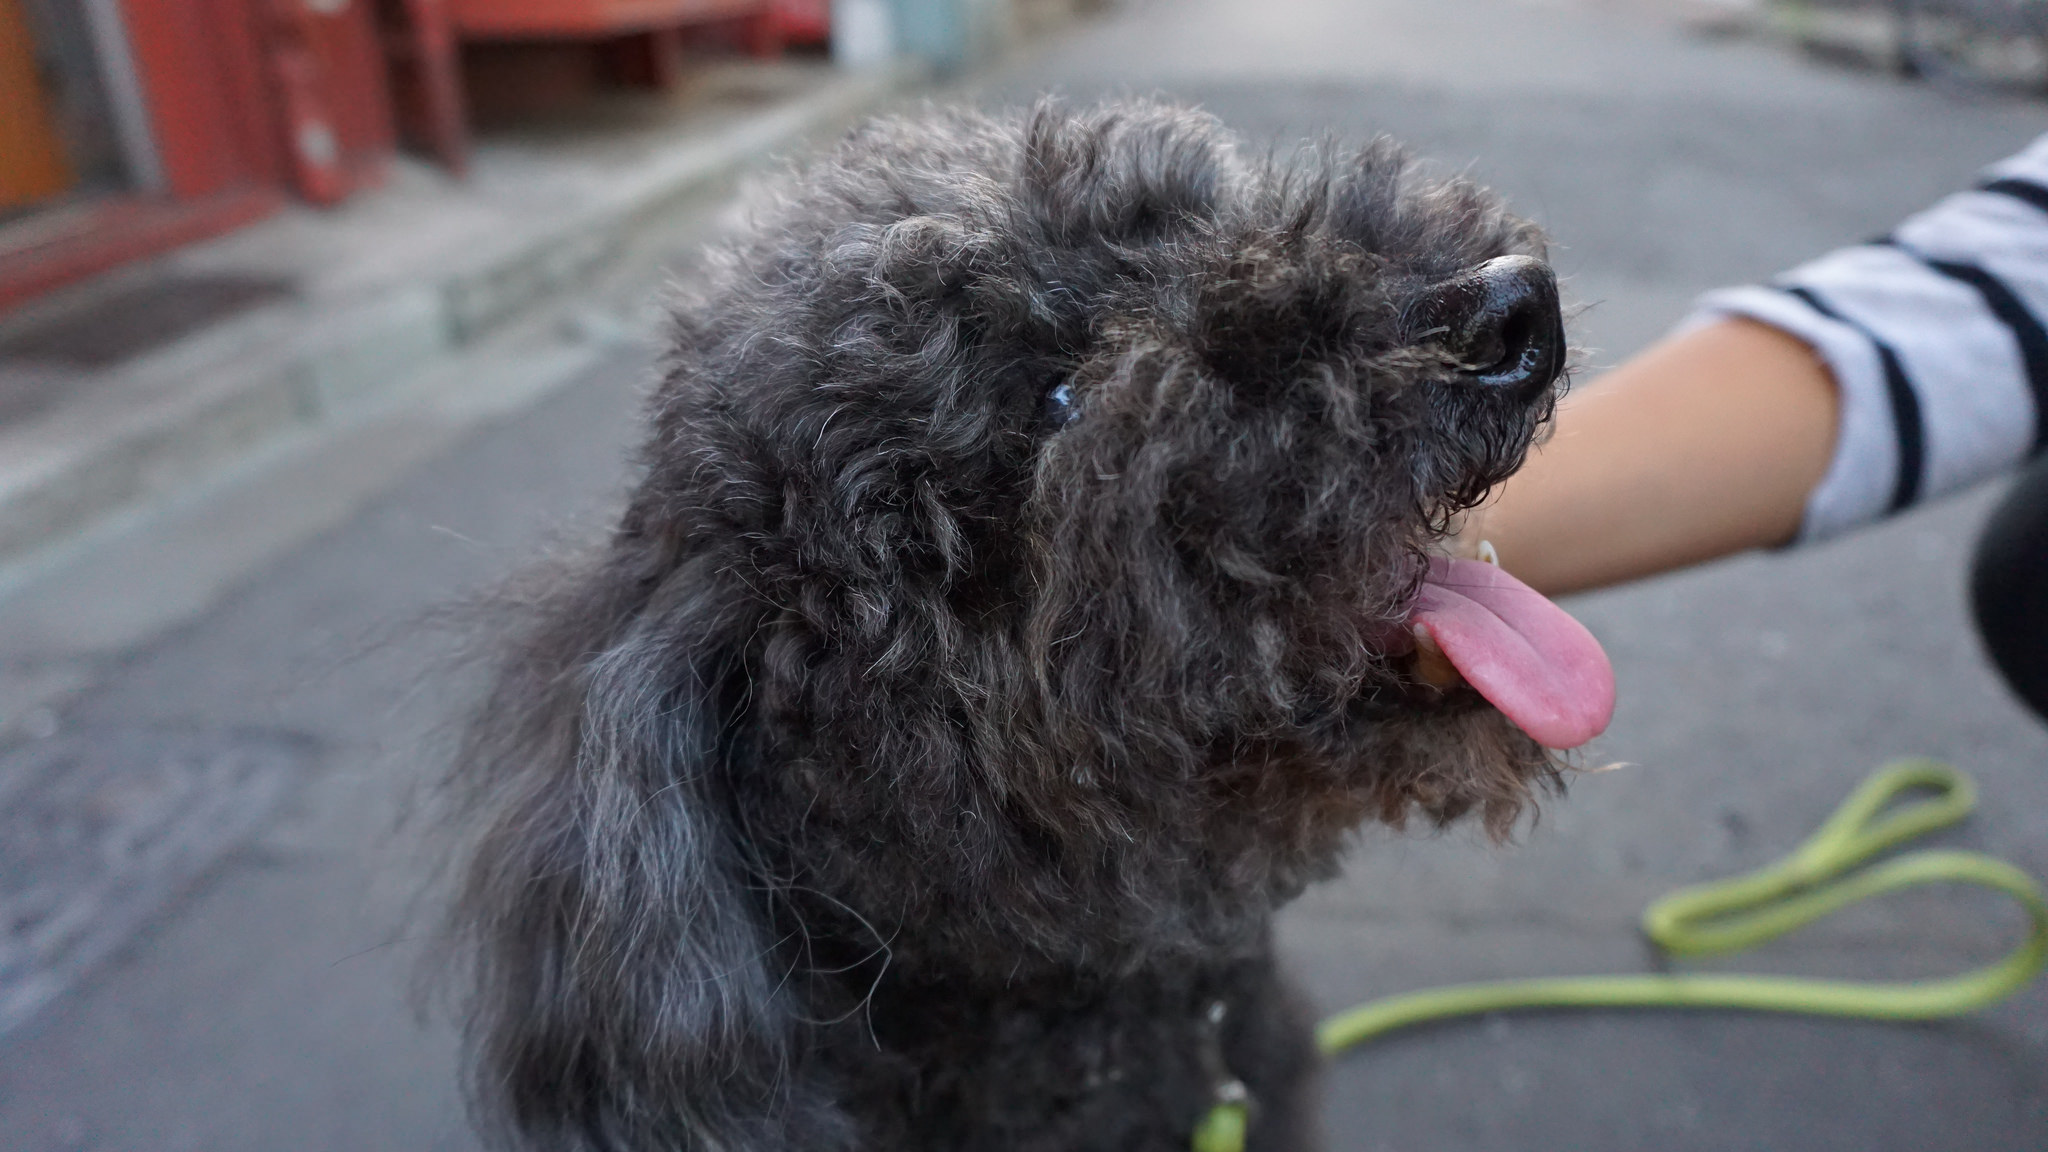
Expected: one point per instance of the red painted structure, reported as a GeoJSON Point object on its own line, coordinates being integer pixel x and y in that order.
{"type": "Point", "coordinates": [803, 21]}
{"type": "Point", "coordinates": [639, 42]}
{"type": "Point", "coordinates": [252, 102]}
{"type": "Point", "coordinates": [426, 79]}
{"type": "Point", "coordinates": [248, 101]}
{"type": "Point", "coordinates": [554, 19]}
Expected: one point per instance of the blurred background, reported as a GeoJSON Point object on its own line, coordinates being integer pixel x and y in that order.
{"type": "Point", "coordinates": [316, 314]}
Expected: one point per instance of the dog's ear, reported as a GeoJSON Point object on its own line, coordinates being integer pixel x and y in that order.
{"type": "Point", "coordinates": [627, 995]}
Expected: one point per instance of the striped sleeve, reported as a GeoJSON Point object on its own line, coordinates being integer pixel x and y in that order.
{"type": "Point", "coordinates": [1936, 337]}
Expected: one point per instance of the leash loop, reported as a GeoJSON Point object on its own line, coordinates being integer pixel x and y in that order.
{"type": "Point", "coordinates": [1821, 876]}
{"type": "Point", "coordinates": [1745, 911]}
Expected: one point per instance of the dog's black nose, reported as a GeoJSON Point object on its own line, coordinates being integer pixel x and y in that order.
{"type": "Point", "coordinates": [1502, 323]}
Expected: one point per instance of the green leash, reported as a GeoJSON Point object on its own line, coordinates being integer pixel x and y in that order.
{"type": "Point", "coordinates": [1731, 915]}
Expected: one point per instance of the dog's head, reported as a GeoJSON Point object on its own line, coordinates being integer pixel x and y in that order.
{"type": "Point", "coordinates": [1080, 455]}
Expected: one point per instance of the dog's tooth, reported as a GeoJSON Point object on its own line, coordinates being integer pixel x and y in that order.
{"type": "Point", "coordinates": [1432, 667]}
{"type": "Point", "coordinates": [1487, 555]}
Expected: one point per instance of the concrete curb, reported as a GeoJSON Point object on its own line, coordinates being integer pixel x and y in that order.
{"type": "Point", "coordinates": [180, 415]}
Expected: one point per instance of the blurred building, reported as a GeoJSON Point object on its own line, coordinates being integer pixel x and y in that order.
{"type": "Point", "coordinates": [131, 126]}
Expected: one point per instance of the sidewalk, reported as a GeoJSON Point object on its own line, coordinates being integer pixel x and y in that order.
{"type": "Point", "coordinates": [301, 321]}
{"type": "Point", "coordinates": [170, 429]}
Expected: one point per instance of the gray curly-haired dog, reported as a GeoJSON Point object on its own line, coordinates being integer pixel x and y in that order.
{"type": "Point", "coordinates": [1020, 601]}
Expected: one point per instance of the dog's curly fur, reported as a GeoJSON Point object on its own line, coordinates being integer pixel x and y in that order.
{"type": "Point", "coordinates": [1010, 616]}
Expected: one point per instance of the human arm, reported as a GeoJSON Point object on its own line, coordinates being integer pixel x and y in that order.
{"type": "Point", "coordinates": [1704, 445]}
{"type": "Point", "coordinates": [1850, 388]}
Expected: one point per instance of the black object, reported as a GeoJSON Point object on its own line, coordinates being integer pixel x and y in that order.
{"type": "Point", "coordinates": [1502, 318]}
{"type": "Point", "coordinates": [2009, 587]}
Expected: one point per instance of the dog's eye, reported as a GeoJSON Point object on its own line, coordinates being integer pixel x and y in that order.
{"type": "Point", "coordinates": [1059, 408]}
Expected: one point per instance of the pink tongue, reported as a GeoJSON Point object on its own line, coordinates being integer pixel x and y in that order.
{"type": "Point", "coordinates": [1530, 659]}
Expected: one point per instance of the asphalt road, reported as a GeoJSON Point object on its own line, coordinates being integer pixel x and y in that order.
{"type": "Point", "coordinates": [268, 1010]}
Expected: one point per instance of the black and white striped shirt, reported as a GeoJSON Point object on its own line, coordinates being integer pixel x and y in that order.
{"type": "Point", "coordinates": [1938, 337]}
